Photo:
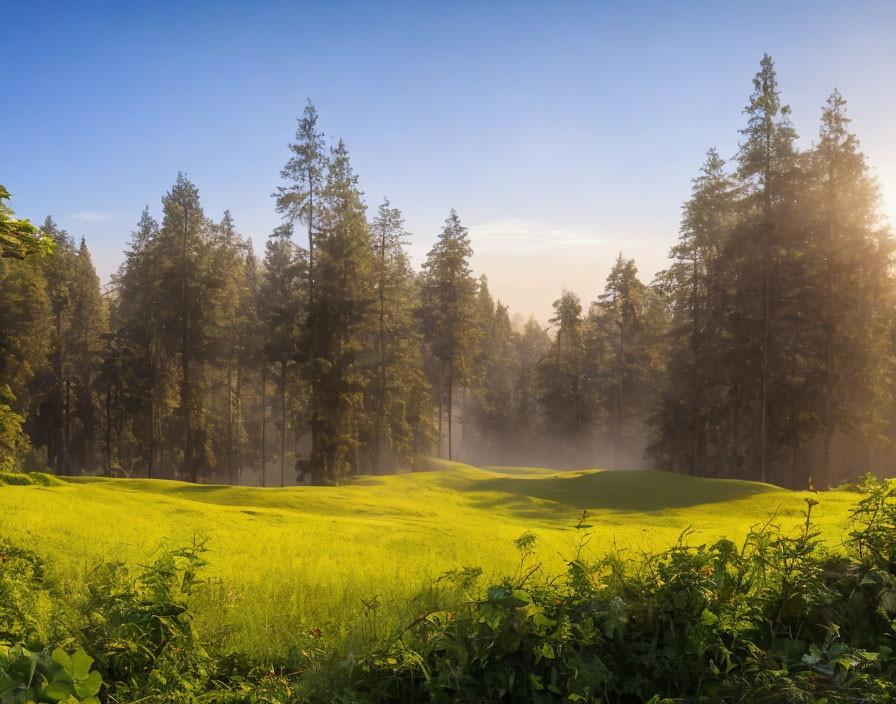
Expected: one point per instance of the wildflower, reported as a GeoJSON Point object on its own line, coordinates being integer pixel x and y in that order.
{"type": "Point", "coordinates": [559, 602]}
{"type": "Point", "coordinates": [317, 633]}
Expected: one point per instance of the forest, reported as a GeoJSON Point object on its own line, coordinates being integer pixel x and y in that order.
{"type": "Point", "coordinates": [764, 351]}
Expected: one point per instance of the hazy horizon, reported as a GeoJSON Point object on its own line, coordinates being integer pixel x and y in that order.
{"type": "Point", "coordinates": [562, 136]}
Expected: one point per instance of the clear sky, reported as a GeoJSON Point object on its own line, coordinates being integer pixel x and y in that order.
{"type": "Point", "coordinates": [563, 133]}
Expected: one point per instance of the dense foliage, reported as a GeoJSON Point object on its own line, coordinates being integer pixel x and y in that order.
{"type": "Point", "coordinates": [764, 351]}
{"type": "Point", "coordinates": [777, 619]}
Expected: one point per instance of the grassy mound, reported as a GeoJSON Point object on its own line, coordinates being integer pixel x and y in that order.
{"type": "Point", "coordinates": [286, 561]}
{"type": "Point", "coordinates": [29, 479]}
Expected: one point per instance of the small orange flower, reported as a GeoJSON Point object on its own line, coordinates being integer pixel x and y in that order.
{"type": "Point", "coordinates": [560, 602]}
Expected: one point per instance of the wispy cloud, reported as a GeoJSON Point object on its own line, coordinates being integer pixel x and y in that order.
{"type": "Point", "coordinates": [90, 216]}
{"type": "Point", "coordinates": [516, 234]}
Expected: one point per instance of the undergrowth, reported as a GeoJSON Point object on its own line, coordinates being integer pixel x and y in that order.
{"type": "Point", "coordinates": [779, 618]}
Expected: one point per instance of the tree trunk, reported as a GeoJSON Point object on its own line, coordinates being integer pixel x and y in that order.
{"type": "Point", "coordinates": [441, 401]}
{"type": "Point", "coordinates": [58, 433]}
{"type": "Point", "coordinates": [283, 419]}
{"type": "Point", "coordinates": [620, 382]}
{"type": "Point", "coordinates": [261, 477]}
{"type": "Point", "coordinates": [230, 462]}
{"type": "Point", "coordinates": [315, 424]}
{"type": "Point", "coordinates": [766, 322]}
{"type": "Point", "coordinates": [450, 402]}
{"type": "Point", "coordinates": [763, 429]}
{"type": "Point", "coordinates": [239, 418]}
{"type": "Point", "coordinates": [109, 432]}
{"type": "Point", "coordinates": [829, 365]}
{"type": "Point", "coordinates": [381, 400]}
{"type": "Point", "coordinates": [67, 429]}
{"type": "Point", "coordinates": [695, 469]}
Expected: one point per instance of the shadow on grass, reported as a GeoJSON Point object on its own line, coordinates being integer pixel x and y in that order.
{"type": "Point", "coordinates": [614, 491]}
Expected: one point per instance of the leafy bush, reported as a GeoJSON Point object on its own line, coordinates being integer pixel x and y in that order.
{"type": "Point", "coordinates": [140, 628]}
{"type": "Point", "coordinates": [47, 677]}
{"type": "Point", "coordinates": [777, 619]}
{"type": "Point", "coordinates": [27, 608]}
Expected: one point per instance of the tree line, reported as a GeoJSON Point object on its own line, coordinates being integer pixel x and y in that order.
{"type": "Point", "coordinates": [764, 351]}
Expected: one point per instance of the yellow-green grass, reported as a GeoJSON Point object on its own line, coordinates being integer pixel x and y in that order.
{"type": "Point", "coordinates": [283, 561]}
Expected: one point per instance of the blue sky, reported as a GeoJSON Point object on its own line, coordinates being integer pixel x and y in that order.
{"type": "Point", "coordinates": [563, 133]}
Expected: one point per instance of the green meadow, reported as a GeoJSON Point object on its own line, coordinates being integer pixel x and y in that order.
{"type": "Point", "coordinates": [350, 562]}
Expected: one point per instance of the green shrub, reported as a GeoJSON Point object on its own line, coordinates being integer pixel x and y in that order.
{"type": "Point", "coordinates": [27, 607]}
{"type": "Point", "coordinates": [777, 619]}
{"type": "Point", "coordinates": [140, 628]}
{"type": "Point", "coordinates": [47, 677]}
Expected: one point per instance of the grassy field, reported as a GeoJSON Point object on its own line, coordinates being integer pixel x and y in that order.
{"type": "Point", "coordinates": [285, 561]}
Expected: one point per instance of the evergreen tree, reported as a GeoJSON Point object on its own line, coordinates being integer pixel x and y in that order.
{"type": "Point", "coordinates": [850, 286]}
{"type": "Point", "coordinates": [24, 326]}
{"type": "Point", "coordinates": [532, 346]}
{"type": "Point", "coordinates": [281, 306]}
{"type": "Point", "coordinates": [138, 373]}
{"type": "Point", "coordinates": [449, 294]}
{"type": "Point", "coordinates": [561, 374]}
{"type": "Point", "coordinates": [630, 323]}
{"type": "Point", "coordinates": [343, 300]}
{"type": "Point", "coordinates": [89, 327]}
{"type": "Point", "coordinates": [766, 165]}
{"type": "Point", "coordinates": [398, 395]}
{"type": "Point", "coordinates": [689, 420]}
{"type": "Point", "coordinates": [55, 415]}
{"type": "Point", "coordinates": [496, 372]}
{"type": "Point", "coordinates": [303, 201]}
{"type": "Point", "coordinates": [193, 263]}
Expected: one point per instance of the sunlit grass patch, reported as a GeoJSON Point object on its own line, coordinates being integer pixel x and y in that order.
{"type": "Point", "coordinates": [283, 562]}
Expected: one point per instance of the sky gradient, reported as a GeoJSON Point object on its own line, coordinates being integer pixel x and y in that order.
{"type": "Point", "coordinates": [563, 133]}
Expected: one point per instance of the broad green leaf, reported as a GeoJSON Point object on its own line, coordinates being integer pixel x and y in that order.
{"type": "Point", "coordinates": [81, 663]}
{"type": "Point", "coordinates": [57, 691]}
{"type": "Point", "coordinates": [89, 686]}
{"type": "Point", "coordinates": [539, 619]}
{"type": "Point", "coordinates": [60, 657]}
{"type": "Point", "coordinates": [708, 618]}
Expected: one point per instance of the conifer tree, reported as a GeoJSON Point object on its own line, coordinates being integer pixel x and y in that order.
{"type": "Point", "coordinates": [496, 371]}
{"type": "Point", "coordinates": [561, 373]}
{"type": "Point", "coordinates": [303, 201]}
{"type": "Point", "coordinates": [281, 306]}
{"type": "Point", "coordinates": [89, 326]}
{"type": "Point", "coordinates": [766, 164]}
{"type": "Point", "coordinates": [690, 421]}
{"type": "Point", "coordinates": [24, 326]}
{"type": "Point", "coordinates": [630, 320]}
{"type": "Point", "coordinates": [56, 416]}
{"type": "Point", "coordinates": [399, 395]}
{"type": "Point", "coordinates": [448, 299]}
{"type": "Point", "coordinates": [343, 300]}
{"type": "Point", "coordinates": [851, 286]}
